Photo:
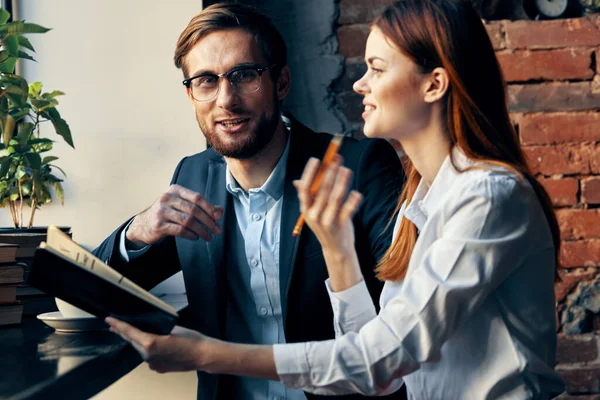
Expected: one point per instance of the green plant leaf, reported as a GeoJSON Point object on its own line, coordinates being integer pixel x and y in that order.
{"type": "Point", "coordinates": [26, 56]}
{"type": "Point", "coordinates": [61, 126]}
{"type": "Point", "coordinates": [34, 160]}
{"type": "Point", "coordinates": [26, 188]}
{"type": "Point", "coordinates": [47, 159]}
{"type": "Point", "coordinates": [21, 172]}
{"type": "Point", "coordinates": [24, 42]}
{"type": "Point", "coordinates": [7, 130]}
{"type": "Point", "coordinates": [5, 166]}
{"type": "Point", "coordinates": [22, 27]}
{"type": "Point", "coordinates": [25, 132]}
{"type": "Point", "coordinates": [11, 44]}
{"type": "Point", "coordinates": [60, 169]}
{"type": "Point", "coordinates": [41, 104]}
{"type": "Point", "coordinates": [35, 89]}
{"type": "Point", "coordinates": [4, 16]}
{"type": "Point", "coordinates": [60, 193]}
{"type": "Point", "coordinates": [14, 193]}
{"type": "Point", "coordinates": [41, 141]}
{"type": "Point", "coordinates": [7, 63]}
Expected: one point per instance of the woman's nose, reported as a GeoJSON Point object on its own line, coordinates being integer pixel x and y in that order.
{"type": "Point", "coordinates": [360, 86]}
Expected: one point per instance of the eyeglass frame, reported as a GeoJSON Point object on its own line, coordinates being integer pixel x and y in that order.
{"type": "Point", "coordinates": [187, 82]}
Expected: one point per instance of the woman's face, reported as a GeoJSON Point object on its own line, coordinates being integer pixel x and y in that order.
{"type": "Point", "coordinates": [394, 92]}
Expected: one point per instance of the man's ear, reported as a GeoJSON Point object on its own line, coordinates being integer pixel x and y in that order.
{"type": "Point", "coordinates": [284, 82]}
{"type": "Point", "coordinates": [436, 85]}
{"type": "Point", "coordinates": [188, 93]}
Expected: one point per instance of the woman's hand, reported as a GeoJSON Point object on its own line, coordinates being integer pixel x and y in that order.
{"type": "Point", "coordinates": [188, 350]}
{"type": "Point", "coordinates": [329, 215]}
{"type": "Point", "coordinates": [179, 351]}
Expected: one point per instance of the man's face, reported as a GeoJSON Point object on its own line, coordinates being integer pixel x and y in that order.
{"type": "Point", "coordinates": [236, 125]}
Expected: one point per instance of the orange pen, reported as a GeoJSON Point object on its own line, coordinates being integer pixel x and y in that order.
{"type": "Point", "coordinates": [332, 150]}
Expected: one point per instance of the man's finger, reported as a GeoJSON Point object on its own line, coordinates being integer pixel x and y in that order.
{"type": "Point", "coordinates": [179, 224]}
{"type": "Point", "coordinates": [215, 212]}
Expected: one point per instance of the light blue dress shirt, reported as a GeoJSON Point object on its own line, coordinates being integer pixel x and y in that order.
{"type": "Point", "coordinates": [254, 311]}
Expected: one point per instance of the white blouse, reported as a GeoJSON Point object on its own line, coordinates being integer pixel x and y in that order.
{"type": "Point", "coordinates": [474, 317]}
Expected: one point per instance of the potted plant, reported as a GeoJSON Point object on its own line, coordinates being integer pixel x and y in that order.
{"type": "Point", "coordinates": [26, 168]}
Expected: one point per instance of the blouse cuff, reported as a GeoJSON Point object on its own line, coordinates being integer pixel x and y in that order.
{"type": "Point", "coordinates": [352, 308]}
{"type": "Point", "coordinates": [292, 366]}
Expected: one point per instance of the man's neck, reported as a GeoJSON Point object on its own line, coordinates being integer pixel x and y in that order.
{"type": "Point", "coordinates": [254, 172]}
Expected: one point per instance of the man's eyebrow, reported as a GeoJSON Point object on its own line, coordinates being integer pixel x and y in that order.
{"type": "Point", "coordinates": [237, 66]}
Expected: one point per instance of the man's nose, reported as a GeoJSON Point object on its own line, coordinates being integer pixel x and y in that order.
{"type": "Point", "coordinates": [227, 96]}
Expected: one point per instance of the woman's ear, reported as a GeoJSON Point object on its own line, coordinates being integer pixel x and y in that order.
{"type": "Point", "coordinates": [283, 82]}
{"type": "Point", "coordinates": [436, 85]}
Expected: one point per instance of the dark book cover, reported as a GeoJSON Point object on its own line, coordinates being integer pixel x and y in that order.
{"type": "Point", "coordinates": [79, 286]}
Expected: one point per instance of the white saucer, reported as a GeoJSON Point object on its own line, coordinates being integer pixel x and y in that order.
{"type": "Point", "coordinates": [80, 324]}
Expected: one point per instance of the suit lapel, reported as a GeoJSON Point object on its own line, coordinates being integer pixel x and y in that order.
{"type": "Point", "coordinates": [216, 193]}
{"type": "Point", "coordinates": [288, 245]}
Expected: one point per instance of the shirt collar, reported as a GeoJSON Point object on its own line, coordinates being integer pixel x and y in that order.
{"type": "Point", "coordinates": [428, 198]}
{"type": "Point", "coordinates": [274, 185]}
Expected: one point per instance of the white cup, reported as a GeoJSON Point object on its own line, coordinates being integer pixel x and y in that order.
{"type": "Point", "coordinates": [69, 311]}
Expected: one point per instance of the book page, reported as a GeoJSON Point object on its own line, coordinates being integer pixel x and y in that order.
{"type": "Point", "coordinates": [61, 243]}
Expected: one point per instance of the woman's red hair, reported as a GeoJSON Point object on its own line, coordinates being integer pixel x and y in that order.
{"type": "Point", "coordinates": [449, 34]}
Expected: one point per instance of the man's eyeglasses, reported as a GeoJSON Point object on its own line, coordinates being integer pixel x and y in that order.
{"type": "Point", "coordinates": [244, 80]}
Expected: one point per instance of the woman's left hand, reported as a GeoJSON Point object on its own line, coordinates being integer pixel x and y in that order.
{"type": "Point", "coordinates": [179, 351]}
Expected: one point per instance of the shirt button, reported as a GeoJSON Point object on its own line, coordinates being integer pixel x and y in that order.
{"type": "Point", "coordinates": [264, 311]}
{"type": "Point", "coordinates": [254, 262]}
{"type": "Point", "coordinates": [256, 217]}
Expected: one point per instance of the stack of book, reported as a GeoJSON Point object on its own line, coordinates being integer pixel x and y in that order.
{"type": "Point", "coordinates": [34, 301]}
{"type": "Point", "coordinates": [11, 276]}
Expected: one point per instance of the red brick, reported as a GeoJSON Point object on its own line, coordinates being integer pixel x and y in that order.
{"type": "Point", "coordinates": [495, 31]}
{"type": "Point", "coordinates": [570, 278]}
{"type": "Point", "coordinates": [554, 96]}
{"type": "Point", "coordinates": [579, 32]}
{"type": "Point", "coordinates": [581, 253]}
{"type": "Point", "coordinates": [579, 224]}
{"type": "Point", "coordinates": [576, 348]}
{"type": "Point", "coordinates": [563, 192]}
{"type": "Point", "coordinates": [560, 159]}
{"type": "Point", "coordinates": [560, 128]}
{"type": "Point", "coordinates": [525, 65]}
{"type": "Point", "coordinates": [595, 160]}
{"type": "Point", "coordinates": [581, 380]}
{"type": "Point", "coordinates": [352, 40]}
{"type": "Point", "coordinates": [361, 11]}
{"type": "Point", "coordinates": [590, 190]}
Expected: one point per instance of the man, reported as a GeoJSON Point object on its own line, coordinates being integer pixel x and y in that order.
{"type": "Point", "coordinates": [227, 219]}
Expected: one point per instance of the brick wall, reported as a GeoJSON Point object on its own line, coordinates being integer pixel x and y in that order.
{"type": "Point", "coordinates": [553, 74]}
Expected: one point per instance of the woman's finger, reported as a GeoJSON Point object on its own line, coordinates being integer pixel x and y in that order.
{"type": "Point", "coordinates": [350, 207]}
{"type": "Point", "coordinates": [324, 190]}
{"type": "Point", "coordinates": [303, 185]}
{"type": "Point", "coordinates": [336, 196]}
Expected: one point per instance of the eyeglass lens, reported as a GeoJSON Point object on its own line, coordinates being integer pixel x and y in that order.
{"type": "Point", "coordinates": [244, 81]}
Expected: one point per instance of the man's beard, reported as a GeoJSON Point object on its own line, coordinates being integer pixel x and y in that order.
{"type": "Point", "coordinates": [253, 143]}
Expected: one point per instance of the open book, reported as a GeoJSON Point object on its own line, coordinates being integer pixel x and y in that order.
{"type": "Point", "coordinates": [66, 270]}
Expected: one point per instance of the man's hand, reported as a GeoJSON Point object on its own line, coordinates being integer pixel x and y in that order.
{"type": "Point", "coordinates": [177, 212]}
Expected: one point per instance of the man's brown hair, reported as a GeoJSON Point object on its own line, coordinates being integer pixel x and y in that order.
{"type": "Point", "coordinates": [223, 16]}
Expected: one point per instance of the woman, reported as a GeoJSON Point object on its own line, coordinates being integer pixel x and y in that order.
{"type": "Point", "coordinates": [468, 306]}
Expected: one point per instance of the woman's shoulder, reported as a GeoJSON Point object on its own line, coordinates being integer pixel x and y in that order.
{"type": "Point", "coordinates": [494, 184]}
